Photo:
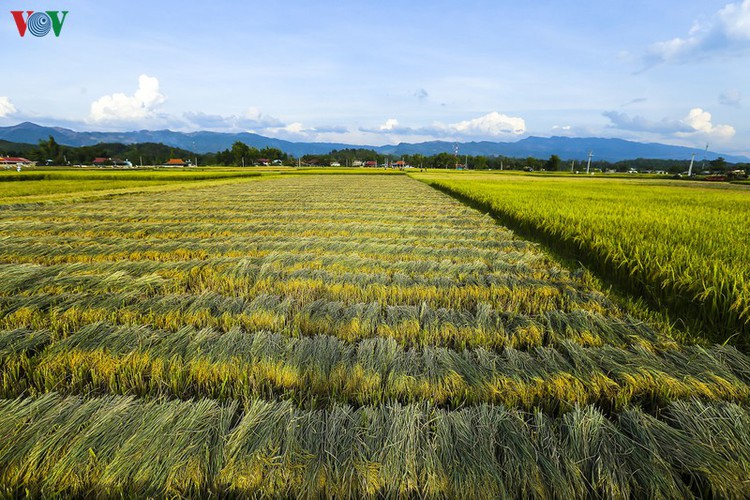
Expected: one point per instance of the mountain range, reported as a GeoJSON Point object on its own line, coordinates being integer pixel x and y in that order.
{"type": "Point", "coordinates": [206, 142]}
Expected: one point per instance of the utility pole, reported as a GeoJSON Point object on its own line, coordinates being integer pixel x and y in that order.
{"type": "Point", "coordinates": [690, 169]}
{"type": "Point", "coordinates": [588, 165]}
{"type": "Point", "coordinates": [705, 152]}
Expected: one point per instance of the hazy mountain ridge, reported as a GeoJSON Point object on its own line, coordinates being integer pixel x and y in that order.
{"type": "Point", "coordinates": [205, 142]}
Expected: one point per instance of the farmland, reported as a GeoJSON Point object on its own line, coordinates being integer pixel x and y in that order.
{"type": "Point", "coordinates": [339, 335]}
{"type": "Point", "coordinates": [45, 185]}
{"type": "Point", "coordinates": [682, 246]}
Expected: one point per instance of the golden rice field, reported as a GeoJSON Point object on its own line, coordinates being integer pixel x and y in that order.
{"type": "Point", "coordinates": [682, 246]}
{"type": "Point", "coordinates": [339, 336]}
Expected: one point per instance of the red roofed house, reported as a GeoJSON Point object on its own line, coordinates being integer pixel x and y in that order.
{"type": "Point", "coordinates": [371, 164]}
{"type": "Point", "coordinates": [15, 160]}
{"type": "Point", "coordinates": [176, 162]}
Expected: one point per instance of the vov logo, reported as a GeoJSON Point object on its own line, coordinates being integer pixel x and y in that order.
{"type": "Point", "coordinates": [39, 24]}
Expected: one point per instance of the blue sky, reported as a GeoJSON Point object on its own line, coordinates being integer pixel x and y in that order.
{"type": "Point", "coordinates": [385, 72]}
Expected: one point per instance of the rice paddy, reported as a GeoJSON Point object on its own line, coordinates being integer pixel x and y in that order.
{"type": "Point", "coordinates": [681, 246]}
{"type": "Point", "coordinates": [338, 335]}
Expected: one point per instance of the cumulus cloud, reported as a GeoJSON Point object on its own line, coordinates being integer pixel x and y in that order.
{"type": "Point", "coordinates": [697, 123]}
{"type": "Point", "coordinates": [6, 107]}
{"type": "Point", "coordinates": [732, 97]}
{"type": "Point", "coordinates": [700, 121]}
{"type": "Point", "coordinates": [490, 126]}
{"type": "Point", "coordinates": [390, 125]}
{"type": "Point", "coordinates": [728, 32]}
{"type": "Point", "coordinates": [129, 108]}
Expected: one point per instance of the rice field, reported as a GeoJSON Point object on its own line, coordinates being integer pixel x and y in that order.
{"type": "Point", "coordinates": [44, 185]}
{"type": "Point", "coordinates": [683, 246]}
{"type": "Point", "coordinates": [341, 336]}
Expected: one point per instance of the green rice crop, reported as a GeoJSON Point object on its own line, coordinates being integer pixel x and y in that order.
{"type": "Point", "coordinates": [113, 445]}
{"type": "Point", "coordinates": [683, 247]}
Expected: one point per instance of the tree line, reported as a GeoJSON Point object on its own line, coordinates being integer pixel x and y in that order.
{"type": "Point", "coordinates": [240, 154]}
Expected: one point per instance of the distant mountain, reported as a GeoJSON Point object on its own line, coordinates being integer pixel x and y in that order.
{"type": "Point", "coordinates": [207, 142]}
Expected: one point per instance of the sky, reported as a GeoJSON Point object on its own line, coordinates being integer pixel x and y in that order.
{"type": "Point", "coordinates": [365, 72]}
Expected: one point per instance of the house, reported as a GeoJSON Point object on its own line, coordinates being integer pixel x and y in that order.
{"type": "Point", "coordinates": [335, 164]}
{"type": "Point", "coordinates": [399, 164]}
{"type": "Point", "coordinates": [277, 162]}
{"type": "Point", "coordinates": [263, 162]}
{"type": "Point", "coordinates": [371, 164]}
{"type": "Point", "coordinates": [15, 160]}
{"type": "Point", "coordinates": [176, 162]}
{"type": "Point", "coordinates": [111, 162]}
{"type": "Point", "coordinates": [357, 163]}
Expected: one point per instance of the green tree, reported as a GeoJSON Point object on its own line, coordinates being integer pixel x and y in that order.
{"type": "Point", "coordinates": [719, 164]}
{"type": "Point", "coordinates": [480, 163]}
{"type": "Point", "coordinates": [553, 163]}
{"type": "Point", "coordinates": [240, 154]}
{"type": "Point", "coordinates": [50, 150]}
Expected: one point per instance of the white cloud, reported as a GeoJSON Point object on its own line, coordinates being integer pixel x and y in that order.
{"type": "Point", "coordinates": [732, 97]}
{"type": "Point", "coordinates": [697, 124]}
{"type": "Point", "coordinates": [700, 121]}
{"type": "Point", "coordinates": [493, 125]}
{"type": "Point", "coordinates": [124, 108]}
{"type": "Point", "coordinates": [6, 107]}
{"type": "Point", "coordinates": [389, 125]}
{"type": "Point", "coordinates": [727, 32]}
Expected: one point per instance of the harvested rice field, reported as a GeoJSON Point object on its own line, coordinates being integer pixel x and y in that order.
{"type": "Point", "coordinates": [340, 336]}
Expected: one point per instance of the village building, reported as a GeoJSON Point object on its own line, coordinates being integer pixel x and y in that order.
{"type": "Point", "coordinates": [176, 162]}
{"type": "Point", "coordinates": [15, 160]}
{"type": "Point", "coordinates": [111, 162]}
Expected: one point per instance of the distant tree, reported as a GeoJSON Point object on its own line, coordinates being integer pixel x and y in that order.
{"type": "Point", "coordinates": [553, 163]}
{"type": "Point", "coordinates": [479, 163]}
{"type": "Point", "coordinates": [533, 163]}
{"type": "Point", "coordinates": [719, 164]}
{"type": "Point", "coordinates": [443, 160]}
{"type": "Point", "coordinates": [50, 150]}
{"type": "Point", "coordinates": [240, 154]}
